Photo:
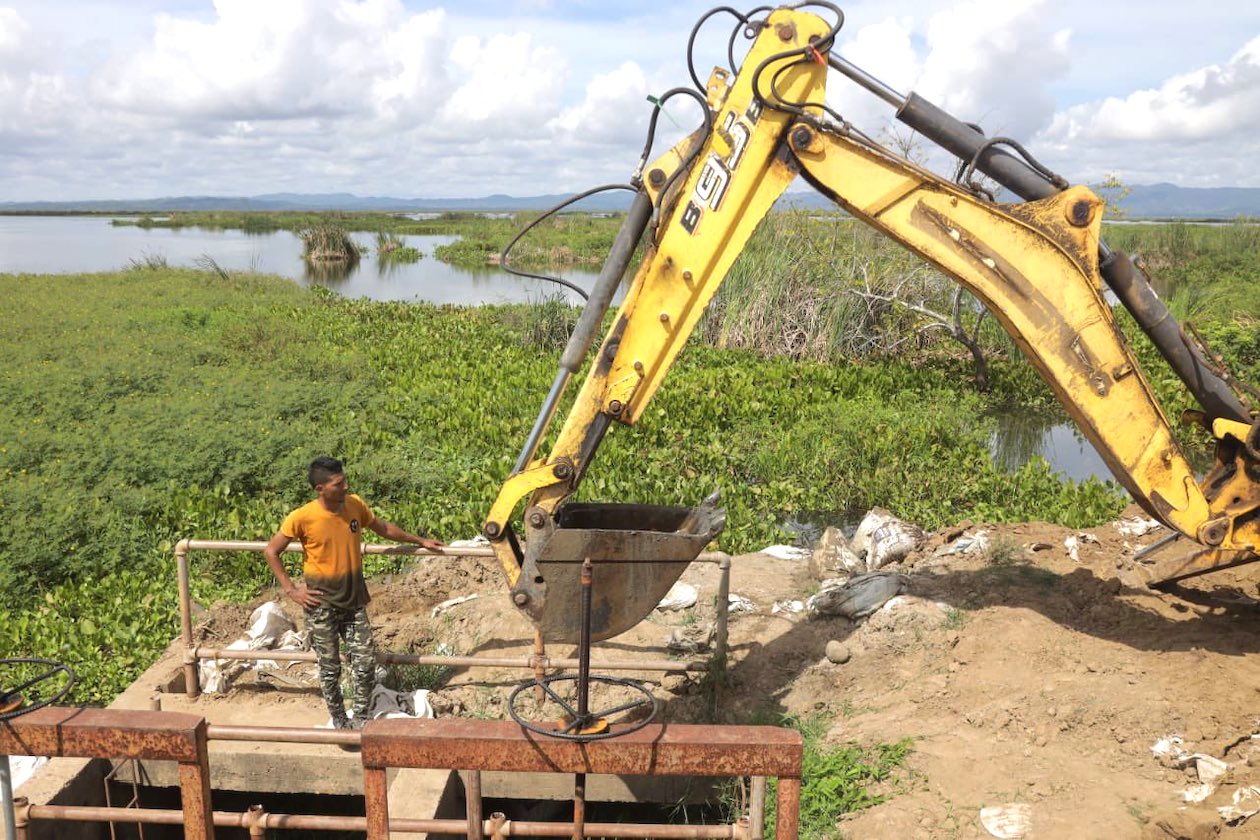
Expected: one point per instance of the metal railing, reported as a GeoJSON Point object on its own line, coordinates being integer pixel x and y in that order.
{"type": "Point", "coordinates": [468, 746]}
{"type": "Point", "coordinates": [538, 661]}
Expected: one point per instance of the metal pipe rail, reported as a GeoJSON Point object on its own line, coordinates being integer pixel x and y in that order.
{"type": "Point", "coordinates": [470, 746]}
{"type": "Point", "coordinates": [259, 821]}
{"type": "Point", "coordinates": [531, 661]}
{"type": "Point", "coordinates": [539, 662]}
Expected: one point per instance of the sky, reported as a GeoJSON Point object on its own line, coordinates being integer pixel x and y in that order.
{"type": "Point", "coordinates": [118, 99]}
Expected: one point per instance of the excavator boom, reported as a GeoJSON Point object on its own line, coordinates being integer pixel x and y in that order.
{"type": "Point", "coordinates": [1035, 265]}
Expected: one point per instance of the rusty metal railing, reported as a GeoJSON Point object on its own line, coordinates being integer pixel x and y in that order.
{"type": "Point", "coordinates": [538, 661]}
{"type": "Point", "coordinates": [469, 746]}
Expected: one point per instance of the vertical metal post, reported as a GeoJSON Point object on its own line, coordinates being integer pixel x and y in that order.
{"type": "Point", "coordinates": [540, 672]}
{"type": "Point", "coordinates": [22, 810]}
{"type": "Point", "coordinates": [376, 802]}
{"type": "Point", "coordinates": [194, 791]}
{"type": "Point", "coordinates": [584, 685]}
{"type": "Point", "coordinates": [757, 807]}
{"type": "Point", "coordinates": [788, 819]}
{"type": "Point", "coordinates": [579, 806]}
{"type": "Point", "coordinates": [723, 610]}
{"type": "Point", "coordinates": [6, 792]}
{"type": "Point", "coordinates": [191, 679]}
{"type": "Point", "coordinates": [584, 646]}
{"type": "Point", "coordinates": [472, 802]}
{"type": "Point", "coordinates": [257, 822]}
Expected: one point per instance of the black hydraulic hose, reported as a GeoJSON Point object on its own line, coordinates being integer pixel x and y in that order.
{"type": "Point", "coordinates": [573, 199]}
{"type": "Point", "coordinates": [964, 141]}
{"type": "Point", "coordinates": [1139, 298]}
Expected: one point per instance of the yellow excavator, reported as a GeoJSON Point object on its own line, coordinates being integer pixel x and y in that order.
{"type": "Point", "coordinates": [1040, 265]}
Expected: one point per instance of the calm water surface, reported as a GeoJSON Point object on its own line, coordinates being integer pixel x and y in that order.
{"type": "Point", "coordinates": [1022, 434]}
{"type": "Point", "coordinates": [77, 244]}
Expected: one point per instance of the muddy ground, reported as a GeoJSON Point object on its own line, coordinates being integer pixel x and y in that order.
{"type": "Point", "coordinates": [1024, 677]}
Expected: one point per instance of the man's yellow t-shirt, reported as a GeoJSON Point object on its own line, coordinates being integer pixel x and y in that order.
{"type": "Point", "coordinates": [333, 559]}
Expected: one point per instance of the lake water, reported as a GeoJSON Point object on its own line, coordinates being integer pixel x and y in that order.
{"type": "Point", "coordinates": [1021, 434]}
{"type": "Point", "coordinates": [79, 244]}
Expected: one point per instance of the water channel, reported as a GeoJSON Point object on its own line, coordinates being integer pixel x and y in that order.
{"type": "Point", "coordinates": [82, 244]}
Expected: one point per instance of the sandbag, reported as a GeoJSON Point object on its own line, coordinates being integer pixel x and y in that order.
{"type": "Point", "coordinates": [884, 539]}
{"type": "Point", "coordinates": [857, 597]}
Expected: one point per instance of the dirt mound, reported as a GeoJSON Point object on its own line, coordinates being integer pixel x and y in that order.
{"type": "Point", "coordinates": [1023, 676]}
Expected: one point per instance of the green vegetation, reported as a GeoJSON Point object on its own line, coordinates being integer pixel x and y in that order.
{"type": "Point", "coordinates": [156, 404]}
{"type": "Point", "coordinates": [791, 292]}
{"type": "Point", "coordinates": [1004, 551]}
{"type": "Point", "coordinates": [837, 779]}
{"type": "Point", "coordinates": [409, 678]}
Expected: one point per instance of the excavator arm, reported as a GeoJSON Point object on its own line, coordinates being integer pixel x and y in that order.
{"type": "Point", "coordinates": [1035, 265]}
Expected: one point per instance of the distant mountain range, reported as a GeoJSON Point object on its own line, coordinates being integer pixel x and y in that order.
{"type": "Point", "coordinates": [1152, 201]}
{"type": "Point", "coordinates": [316, 202]}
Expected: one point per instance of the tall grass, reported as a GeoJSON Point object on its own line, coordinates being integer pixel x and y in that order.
{"type": "Point", "coordinates": [812, 286]}
{"type": "Point", "coordinates": [550, 322]}
{"type": "Point", "coordinates": [390, 247]}
{"type": "Point", "coordinates": [328, 243]}
{"type": "Point", "coordinates": [148, 262]}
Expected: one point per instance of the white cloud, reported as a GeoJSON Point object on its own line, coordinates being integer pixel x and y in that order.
{"type": "Point", "coordinates": [403, 97]}
{"type": "Point", "coordinates": [1189, 106]}
{"type": "Point", "coordinates": [988, 61]}
{"type": "Point", "coordinates": [615, 108]}
{"type": "Point", "coordinates": [991, 61]}
{"type": "Point", "coordinates": [1199, 128]}
{"type": "Point", "coordinates": [275, 60]}
{"type": "Point", "coordinates": [886, 51]}
{"type": "Point", "coordinates": [33, 96]}
{"type": "Point", "coordinates": [14, 32]}
{"type": "Point", "coordinates": [503, 78]}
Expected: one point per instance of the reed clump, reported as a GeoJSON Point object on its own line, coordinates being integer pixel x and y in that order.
{"type": "Point", "coordinates": [390, 247]}
{"type": "Point", "coordinates": [328, 243]}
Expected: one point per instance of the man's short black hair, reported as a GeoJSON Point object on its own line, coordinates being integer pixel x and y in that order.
{"type": "Point", "coordinates": [323, 468]}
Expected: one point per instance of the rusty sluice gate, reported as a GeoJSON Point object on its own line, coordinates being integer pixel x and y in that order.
{"type": "Point", "coordinates": [448, 743]}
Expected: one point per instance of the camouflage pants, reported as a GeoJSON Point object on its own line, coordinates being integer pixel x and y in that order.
{"type": "Point", "coordinates": [328, 627]}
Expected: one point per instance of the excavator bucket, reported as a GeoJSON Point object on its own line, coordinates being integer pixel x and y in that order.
{"type": "Point", "coordinates": [638, 552]}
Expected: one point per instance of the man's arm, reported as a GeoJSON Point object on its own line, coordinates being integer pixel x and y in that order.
{"type": "Point", "coordinates": [390, 531]}
{"type": "Point", "coordinates": [303, 597]}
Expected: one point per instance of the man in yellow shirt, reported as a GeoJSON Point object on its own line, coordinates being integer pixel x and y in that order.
{"type": "Point", "coordinates": [334, 594]}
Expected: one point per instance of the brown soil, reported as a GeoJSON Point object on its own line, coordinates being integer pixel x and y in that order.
{"type": "Point", "coordinates": [1021, 676]}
